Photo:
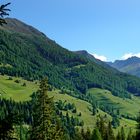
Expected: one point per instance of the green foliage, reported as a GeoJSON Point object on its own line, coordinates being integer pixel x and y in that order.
{"type": "Point", "coordinates": [96, 135]}
{"type": "Point", "coordinates": [24, 84]}
{"type": "Point", "coordinates": [115, 122]}
{"type": "Point", "coordinates": [111, 135]}
{"type": "Point", "coordinates": [118, 137]}
{"type": "Point", "coordinates": [94, 108]}
{"type": "Point", "coordinates": [88, 134]}
{"type": "Point", "coordinates": [45, 125]}
{"type": "Point", "coordinates": [66, 106]}
{"type": "Point", "coordinates": [115, 106]}
{"type": "Point", "coordinates": [7, 127]}
{"type": "Point", "coordinates": [130, 135]}
{"type": "Point", "coordinates": [138, 127]}
{"type": "Point", "coordinates": [105, 128]}
{"type": "Point", "coordinates": [122, 134]}
{"type": "Point", "coordinates": [3, 12]}
{"type": "Point", "coordinates": [17, 81]}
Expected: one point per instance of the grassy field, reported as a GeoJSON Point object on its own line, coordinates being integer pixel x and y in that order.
{"type": "Point", "coordinates": [81, 106]}
{"type": "Point", "coordinates": [126, 106]}
{"type": "Point", "coordinates": [87, 117]}
{"type": "Point", "coordinates": [16, 91]}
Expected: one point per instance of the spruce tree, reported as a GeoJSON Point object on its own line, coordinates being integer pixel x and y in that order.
{"type": "Point", "coordinates": [82, 133]}
{"type": "Point", "coordinates": [130, 136]}
{"type": "Point", "coordinates": [122, 134]}
{"type": "Point", "coordinates": [96, 135]}
{"type": "Point", "coordinates": [94, 108]}
{"type": "Point", "coordinates": [138, 128]}
{"type": "Point", "coordinates": [110, 132]}
{"type": "Point", "coordinates": [45, 125]}
{"type": "Point", "coordinates": [102, 127]}
{"type": "Point", "coordinates": [88, 134]}
{"type": "Point", "coordinates": [78, 135]}
{"type": "Point", "coordinates": [118, 137]}
{"type": "Point", "coordinates": [6, 127]}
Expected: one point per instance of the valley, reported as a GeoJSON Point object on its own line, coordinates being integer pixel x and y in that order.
{"type": "Point", "coordinates": [80, 93]}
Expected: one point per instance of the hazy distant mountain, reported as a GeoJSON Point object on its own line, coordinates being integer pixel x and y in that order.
{"type": "Point", "coordinates": [130, 66]}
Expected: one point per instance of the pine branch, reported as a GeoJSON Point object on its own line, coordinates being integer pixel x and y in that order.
{"type": "Point", "coordinates": [4, 12]}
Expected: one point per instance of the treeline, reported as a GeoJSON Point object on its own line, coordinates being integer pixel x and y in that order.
{"type": "Point", "coordinates": [32, 55]}
{"type": "Point", "coordinates": [104, 131]}
{"type": "Point", "coordinates": [21, 113]}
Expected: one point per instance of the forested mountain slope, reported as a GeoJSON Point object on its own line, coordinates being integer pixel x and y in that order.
{"type": "Point", "coordinates": [26, 52]}
{"type": "Point", "coordinates": [93, 59]}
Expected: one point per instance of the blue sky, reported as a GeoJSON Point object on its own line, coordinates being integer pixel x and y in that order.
{"type": "Point", "coordinates": [109, 28]}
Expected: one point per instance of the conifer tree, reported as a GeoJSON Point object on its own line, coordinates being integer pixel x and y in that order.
{"type": "Point", "coordinates": [3, 12]}
{"type": "Point", "coordinates": [118, 137]}
{"type": "Point", "coordinates": [122, 134]}
{"type": "Point", "coordinates": [110, 132]}
{"type": "Point", "coordinates": [94, 108]}
{"type": "Point", "coordinates": [101, 126]}
{"type": "Point", "coordinates": [130, 135]}
{"type": "Point", "coordinates": [45, 125]}
{"type": "Point", "coordinates": [138, 128]}
{"type": "Point", "coordinates": [88, 134]}
{"type": "Point", "coordinates": [6, 127]}
{"type": "Point", "coordinates": [78, 135]}
{"type": "Point", "coordinates": [83, 133]}
{"type": "Point", "coordinates": [96, 135]}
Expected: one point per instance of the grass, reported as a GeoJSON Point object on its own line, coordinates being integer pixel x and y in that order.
{"type": "Point", "coordinates": [81, 106]}
{"type": "Point", "coordinates": [87, 117]}
{"type": "Point", "coordinates": [16, 91]}
{"type": "Point", "coordinates": [126, 106]}
{"type": "Point", "coordinates": [6, 65]}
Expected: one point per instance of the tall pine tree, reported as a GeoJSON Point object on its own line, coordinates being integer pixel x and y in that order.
{"type": "Point", "coordinates": [138, 128]}
{"type": "Point", "coordinates": [96, 135]}
{"type": "Point", "coordinates": [110, 132]}
{"type": "Point", "coordinates": [45, 125]}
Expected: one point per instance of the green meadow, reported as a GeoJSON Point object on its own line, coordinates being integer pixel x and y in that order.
{"type": "Point", "coordinates": [19, 91]}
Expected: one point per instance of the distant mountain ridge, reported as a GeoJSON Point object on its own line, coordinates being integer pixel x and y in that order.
{"type": "Point", "coordinates": [130, 65]}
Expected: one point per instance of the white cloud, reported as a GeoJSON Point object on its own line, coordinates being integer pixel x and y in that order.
{"type": "Point", "coordinates": [128, 55]}
{"type": "Point", "coordinates": [100, 57]}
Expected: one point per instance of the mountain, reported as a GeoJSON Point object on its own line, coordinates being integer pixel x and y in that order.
{"type": "Point", "coordinates": [130, 66]}
{"type": "Point", "coordinates": [93, 59]}
{"type": "Point", "coordinates": [89, 56]}
{"type": "Point", "coordinates": [28, 53]}
{"type": "Point", "coordinates": [15, 25]}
